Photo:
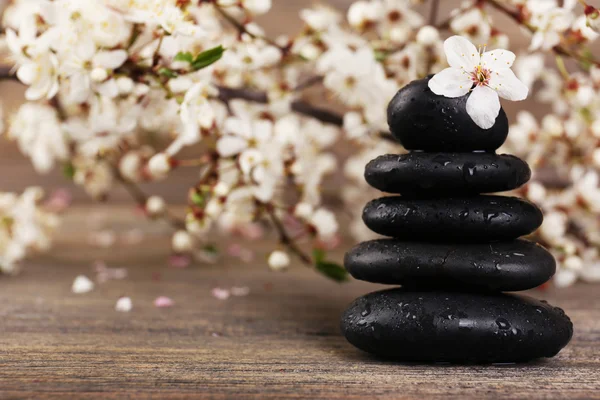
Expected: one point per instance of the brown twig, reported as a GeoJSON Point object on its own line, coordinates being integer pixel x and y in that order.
{"type": "Point", "coordinates": [300, 106]}
{"type": "Point", "coordinates": [433, 11]}
{"type": "Point", "coordinates": [286, 240]}
{"type": "Point", "coordinates": [242, 29]}
{"type": "Point", "coordinates": [6, 73]}
{"type": "Point", "coordinates": [141, 198]}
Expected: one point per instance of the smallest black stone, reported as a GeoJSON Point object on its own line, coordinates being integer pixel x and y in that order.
{"type": "Point", "coordinates": [422, 120]}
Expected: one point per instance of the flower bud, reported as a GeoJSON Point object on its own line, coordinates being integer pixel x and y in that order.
{"type": "Point", "coordinates": [303, 210]}
{"type": "Point", "coordinates": [592, 17]}
{"type": "Point", "coordinates": [278, 260]}
{"type": "Point", "coordinates": [182, 242]}
{"type": "Point", "coordinates": [159, 166]}
{"type": "Point", "coordinates": [428, 36]}
{"type": "Point", "coordinates": [155, 206]}
{"type": "Point", "coordinates": [125, 85]}
{"type": "Point", "coordinates": [98, 74]}
{"type": "Point", "coordinates": [130, 166]}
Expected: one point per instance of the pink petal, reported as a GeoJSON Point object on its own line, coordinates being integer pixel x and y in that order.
{"type": "Point", "coordinates": [59, 201]}
{"type": "Point", "coordinates": [221, 294]}
{"type": "Point", "coordinates": [180, 261]}
{"type": "Point", "coordinates": [163, 302]}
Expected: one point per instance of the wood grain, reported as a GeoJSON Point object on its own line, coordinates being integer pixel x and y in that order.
{"type": "Point", "coordinates": [281, 341]}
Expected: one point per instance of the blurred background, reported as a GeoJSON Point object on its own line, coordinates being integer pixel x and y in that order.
{"type": "Point", "coordinates": [18, 173]}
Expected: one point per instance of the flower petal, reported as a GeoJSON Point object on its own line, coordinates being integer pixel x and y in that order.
{"type": "Point", "coordinates": [508, 86]}
{"type": "Point", "coordinates": [229, 145]}
{"type": "Point", "coordinates": [461, 53]}
{"type": "Point", "coordinates": [498, 59]}
{"type": "Point", "coordinates": [483, 106]}
{"type": "Point", "coordinates": [451, 82]}
{"type": "Point", "coordinates": [110, 59]}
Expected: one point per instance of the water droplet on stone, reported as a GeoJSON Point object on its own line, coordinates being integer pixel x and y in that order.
{"type": "Point", "coordinates": [367, 310]}
{"type": "Point", "coordinates": [502, 323]}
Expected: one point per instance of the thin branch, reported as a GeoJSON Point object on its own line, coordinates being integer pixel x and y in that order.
{"type": "Point", "coordinates": [242, 29]}
{"type": "Point", "coordinates": [315, 80]}
{"type": "Point", "coordinates": [301, 107]}
{"type": "Point", "coordinates": [6, 73]}
{"type": "Point", "coordinates": [286, 240]}
{"type": "Point", "coordinates": [433, 11]}
{"type": "Point", "coordinates": [141, 198]}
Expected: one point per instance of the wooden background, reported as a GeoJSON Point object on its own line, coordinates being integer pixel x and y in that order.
{"type": "Point", "coordinates": [281, 341]}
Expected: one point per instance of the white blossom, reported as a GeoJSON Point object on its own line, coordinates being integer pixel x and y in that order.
{"type": "Point", "coordinates": [486, 75]}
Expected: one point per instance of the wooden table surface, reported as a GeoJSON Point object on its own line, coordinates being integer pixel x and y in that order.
{"type": "Point", "coordinates": [280, 341]}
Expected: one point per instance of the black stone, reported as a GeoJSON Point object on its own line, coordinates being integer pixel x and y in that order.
{"type": "Point", "coordinates": [501, 266]}
{"type": "Point", "coordinates": [422, 120]}
{"type": "Point", "coordinates": [458, 219]}
{"type": "Point", "coordinates": [427, 326]}
{"type": "Point", "coordinates": [446, 173]}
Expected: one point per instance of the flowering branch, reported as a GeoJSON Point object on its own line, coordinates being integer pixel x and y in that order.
{"type": "Point", "coordinates": [558, 49]}
{"type": "Point", "coordinates": [285, 239]}
{"type": "Point", "coordinates": [116, 90]}
{"type": "Point", "coordinates": [141, 199]}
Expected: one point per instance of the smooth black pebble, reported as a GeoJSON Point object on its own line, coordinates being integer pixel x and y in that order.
{"type": "Point", "coordinates": [457, 219]}
{"type": "Point", "coordinates": [427, 326]}
{"type": "Point", "coordinates": [422, 120]}
{"type": "Point", "coordinates": [446, 173]}
{"type": "Point", "coordinates": [501, 266]}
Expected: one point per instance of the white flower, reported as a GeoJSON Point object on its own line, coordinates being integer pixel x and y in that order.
{"type": "Point", "coordinates": [124, 304]}
{"type": "Point", "coordinates": [489, 73]}
{"type": "Point", "coordinates": [85, 67]}
{"type": "Point", "coordinates": [278, 260]}
{"type": "Point", "coordinates": [24, 228]}
{"type": "Point", "coordinates": [565, 278]}
{"type": "Point", "coordinates": [82, 284]}
{"type": "Point", "coordinates": [38, 68]}
{"type": "Point", "coordinates": [196, 113]}
{"type": "Point", "coordinates": [39, 134]}
{"type": "Point", "coordinates": [473, 24]}
{"type": "Point", "coordinates": [108, 124]}
{"type": "Point", "coordinates": [361, 14]}
{"type": "Point", "coordinates": [320, 17]}
{"type": "Point", "coordinates": [549, 22]}
{"type": "Point", "coordinates": [325, 223]}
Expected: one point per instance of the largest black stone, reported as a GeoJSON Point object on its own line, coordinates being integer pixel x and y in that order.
{"type": "Point", "coordinates": [455, 219]}
{"type": "Point", "coordinates": [429, 326]}
{"type": "Point", "coordinates": [422, 120]}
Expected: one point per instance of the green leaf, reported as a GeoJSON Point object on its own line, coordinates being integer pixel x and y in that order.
{"type": "Point", "coordinates": [380, 55]}
{"type": "Point", "coordinates": [167, 72]}
{"type": "Point", "coordinates": [185, 57]}
{"type": "Point", "coordinates": [208, 57]}
{"type": "Point", "coordinates": [211, 248]}
{"type": "Point", "coordinates": [69, 171]}
{"type": "Point", "coordinates": [197, 199]}
{"type": "Point", "coordinates": [332, 271]}
{"type": "Point", "coordinates": [319, 255]}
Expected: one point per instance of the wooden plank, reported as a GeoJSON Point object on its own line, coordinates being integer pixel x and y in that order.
{"type": "Point", "coordinates": [281, 341]}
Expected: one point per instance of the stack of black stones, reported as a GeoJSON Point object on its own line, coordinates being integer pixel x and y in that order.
{"type": "Point", "coordinates": [452, 250]}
